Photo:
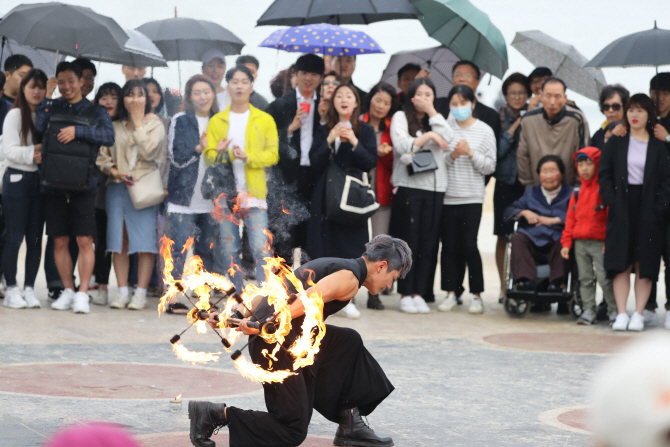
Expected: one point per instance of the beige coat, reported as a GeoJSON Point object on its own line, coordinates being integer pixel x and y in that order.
{"type": "Point", "coordinates": [565, 135]}
{"type": "Point", "coordinates": [151, 143]}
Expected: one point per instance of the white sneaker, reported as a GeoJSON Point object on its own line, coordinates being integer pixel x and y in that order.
{"type": "Point", "coordinates": [13, 299]}
{"type": "Point", "coordinates": [448, 304]}
{"type": "Point", "coordinates": [420, 304]}
{"type": "Point", "coordinates": [138, 302]}
{"type": "Point", "coordinates": [64, 301]}
{"type": "Point", "coordinates": [650, 318]}
{"type": "Point", "coordinates": [667, 320]}
{"type": "Point", "coordinates": [476, 305]}
{"type": "Point", "coordinates": [120, 302]}
{"type": "Point", "coordinates": [80, 305]}
{"type": "Point", "coordinates": [30, 298]}
{"type": "Point", "coordinates": [621, 322]}
{"type": "Point", "coordinates": [407, 305]}
{"type": "Point", "coordinates": [636, 323]}
{"type": "Point", "coordinates": [100, 297]}
{"type": "Point", "coordinates": [351, 311]}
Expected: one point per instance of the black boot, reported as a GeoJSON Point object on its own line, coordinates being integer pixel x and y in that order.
{"type": "Point", "coordinates": [354, 432]}
{"type": "Point", "coordinates": [206, 418]}
{"type": "Point", "coordinates": [374, 302]}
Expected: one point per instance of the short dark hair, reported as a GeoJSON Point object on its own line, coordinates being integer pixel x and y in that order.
{"type": "Point", "coordinates": [109, 88]}
{"type": "Point", "coordinates": [644, 102]}
{"type": "Point", "coordinates": [69, 66]}
{"type": "Point", "coordinates": [128, 88]}
{"type": "Point", "coordinates": [408, 67]}
{"type": "Point", "coordinates": [394, 251]}
{"type": "Point", "coordinates": [148, 81]}
{"type": "Point", "coordinates": [386, 88]}
{"type": "Point", "coordinates": [248, 59]}
{"type": "Point", "coordinates": [85, 64]}
{"type": "Point", "coordinates": [332, 73]}
{"type": "Point", "coordinates": [660, 82]}
{"type": "Point", "coordinates": [517, 78]}
{"type": "Point", "coordinates": [549, 159]}
{"type": "Point", "coordinates": [16, 61]}
{"type": "Point", "coordinates": [555, 81]}
{"type": "Point", "coordinates": [610, 90]}
{"type": "Point", "coordinates": [277, 84]}
{"type": "Point", "coordinates": [540, 72]}
{"type": "Point", "coordinates": [463, 91]}
{"type": "Point", "coordinates": [469, 64]}
{"type": "Point", "coordinates": [235, 69]}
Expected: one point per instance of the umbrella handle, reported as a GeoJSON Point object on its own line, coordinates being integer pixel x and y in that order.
{"type": "Point", "coordinates": [56, 63]}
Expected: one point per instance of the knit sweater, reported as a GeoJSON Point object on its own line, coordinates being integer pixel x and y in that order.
{"type": "Point", "coordinates": [403, 143]}
{"type": "Point", "coordinates": [465, 175]}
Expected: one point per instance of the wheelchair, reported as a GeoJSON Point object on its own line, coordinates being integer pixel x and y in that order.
{"type": "Point", "coordinates": [517, 303]}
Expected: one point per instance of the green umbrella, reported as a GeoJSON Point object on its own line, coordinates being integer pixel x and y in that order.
{"type": "Point", "coordinates": [466, 31]}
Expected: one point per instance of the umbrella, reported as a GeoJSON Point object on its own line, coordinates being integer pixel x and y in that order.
{"type": "Point", "coordinates": [440, 60]}
{"type": "Point", "coordinates": [42, 59]}
{"type": "Point", "coordinates": [644, 49]}
{"type": "Point", "coordinates": [466, 31]}
{"type": "Point", "coordinates": [139, 51]}
{"type": "Point", "coordinates": [322, 38]}
{"type": "Point", "coordinates": [67, 29]}
{"type": "Point", "coordinates": [353, 12]}
{"type": "Point", "coordinates": [563, 60]}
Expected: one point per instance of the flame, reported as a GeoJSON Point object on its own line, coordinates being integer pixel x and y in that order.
{"type": "Point", "coordinates": [178, 397]}
{"type": "Point", "coordinates": [222, 211]}
{"type": "Point", "coordinates": [200, 282]}
{"type": "Point", "coordinates": [284, 209]}
{"type": "Point", "coordinates": [187, 245]}
{"type": "Point", "coordinates": [233, 267]}
{"type": "Point", "coordinates": [211, 245]}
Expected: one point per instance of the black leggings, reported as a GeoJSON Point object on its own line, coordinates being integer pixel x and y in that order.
{"type": "Point", "coordinates": [458, 231]}
{"type": "Point", "coordinates": [415, 218]}
{"type": "Point", "coordinates": [103, 259]}
{"type": "Point", "coordinates": [24, 218]}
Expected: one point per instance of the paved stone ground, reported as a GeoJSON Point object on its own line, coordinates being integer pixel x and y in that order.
{"type": "Point", "coordinates": [461, 380]}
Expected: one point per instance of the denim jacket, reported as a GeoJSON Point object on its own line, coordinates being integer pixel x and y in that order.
{"type": "Point", "coordinates": [506, 167]}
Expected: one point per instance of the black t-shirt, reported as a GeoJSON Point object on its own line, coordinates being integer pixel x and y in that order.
{"type": "Point", "coordinates": [322, 267]}
{"type": "Point", "coordinates": [665, 122]}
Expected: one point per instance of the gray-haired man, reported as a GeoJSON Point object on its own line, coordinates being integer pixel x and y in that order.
{"type": "Point", "coordinates": [344, 382]}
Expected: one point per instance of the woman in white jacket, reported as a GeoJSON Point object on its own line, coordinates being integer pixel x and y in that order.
{"type": "Point", "coordinates": [417, 205]}
{"type": "Point", "coordinates": [21, 199]}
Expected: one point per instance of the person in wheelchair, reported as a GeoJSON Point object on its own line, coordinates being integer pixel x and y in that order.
{"type": "Point", "coordinates": [538, 241]}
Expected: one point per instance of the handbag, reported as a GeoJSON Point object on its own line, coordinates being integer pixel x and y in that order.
{"type": "Point", "coordinates": [422, 161]}
{"type": "Point", "coordinates": [349, 199]}
{"type": "Point", "coordinates": [147, 190]}
{"type": "Point", "coordinates": [219, 179]}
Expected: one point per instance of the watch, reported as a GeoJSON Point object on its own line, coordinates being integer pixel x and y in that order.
{"type": "Point", "coordinates": [667, 138]}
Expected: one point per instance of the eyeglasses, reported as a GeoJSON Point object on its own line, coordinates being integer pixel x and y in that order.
{"type": "Point", "coordinates": [615, 107]}
{"type": "Point", "coordinates": [335, 83]}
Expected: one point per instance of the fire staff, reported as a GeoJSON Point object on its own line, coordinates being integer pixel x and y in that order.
{"type": "Point", "coordinates": [344, 383]}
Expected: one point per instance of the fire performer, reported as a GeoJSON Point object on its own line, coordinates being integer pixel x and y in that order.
{"type": "Point", "coordinates": [344, 383]}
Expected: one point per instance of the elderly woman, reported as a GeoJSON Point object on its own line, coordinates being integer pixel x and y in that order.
{"type": "Point", "coordinates": [544, 207]}
{"type": "Point", "coordinates": [613, 99]}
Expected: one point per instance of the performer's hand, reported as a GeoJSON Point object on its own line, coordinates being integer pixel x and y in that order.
{"type": "Point", "coordinates": [246, 330]}
{"type": "Point", "coordinates": [213, 319]}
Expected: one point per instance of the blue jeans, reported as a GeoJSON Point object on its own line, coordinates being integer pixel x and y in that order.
{"type": "Point", "coordinates": [202, 227]}
{"type": "Point", "coordinates": [256, 220]}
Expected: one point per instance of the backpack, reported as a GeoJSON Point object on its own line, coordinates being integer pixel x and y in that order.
{"type": "Point", "coordinates": [68, 166]}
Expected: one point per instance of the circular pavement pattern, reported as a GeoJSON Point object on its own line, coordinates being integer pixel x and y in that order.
{"type": "Point", "coordinates": [181, 439]}
{"type": "Point", "coordinates": [573, 419]}
{"type": "Point", "coordinates": [560, 342]}
{"type": "Point", "coordinates": [121, 381]}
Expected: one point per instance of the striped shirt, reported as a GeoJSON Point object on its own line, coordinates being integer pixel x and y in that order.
{"type": "Point", "coordinates": [465, 175]}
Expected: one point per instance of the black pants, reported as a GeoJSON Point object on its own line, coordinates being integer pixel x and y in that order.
{"type": "Point", "coordinates": [415, 218]}
{"type": "Point", "coordinates": [458, 232]}
{"type": "Point", "coordinates": [344, 376]}
{"type": "Point", "coordinates": [24, 218]}
{"type": "Point", "coordinates": [103, 259]}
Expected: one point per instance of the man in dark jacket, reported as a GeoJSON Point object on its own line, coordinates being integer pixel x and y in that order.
{"type": "Point", "coordinates": [16, 67]}
{"type": "Point", "coordinates": [73, 212]}
{"type": "Point", "coordinates": [345, 67]}
{"type": "Point", "coordinates": [297, 118]}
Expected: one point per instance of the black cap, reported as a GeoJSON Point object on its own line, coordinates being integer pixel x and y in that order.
{"type": "Point", "coordinates": [310, 63]}
{"type": "Point", "coordinates": [660, 82]}
{"type": "Point", "coordinates": [540, 72]}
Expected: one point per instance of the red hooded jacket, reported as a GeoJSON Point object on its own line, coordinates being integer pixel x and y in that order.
{"type": "Point", "coordinates": [582, 220]}
{"type": "Point", "coordinates": [384, 167]}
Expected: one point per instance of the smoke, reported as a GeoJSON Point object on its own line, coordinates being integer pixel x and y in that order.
{"type": "Point", "coordinates": [286, 210]}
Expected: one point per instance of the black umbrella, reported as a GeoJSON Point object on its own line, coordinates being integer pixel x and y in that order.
{"type": "Point", "coordinates": [66, 29]}
{"type": "Point", "coordinates": [352, 12]}
{"type": "Point", "coordinates": [644, 49]}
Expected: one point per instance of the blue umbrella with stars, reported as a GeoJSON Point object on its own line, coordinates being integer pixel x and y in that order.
{"type": "Point", "coordinates": [322, 38]}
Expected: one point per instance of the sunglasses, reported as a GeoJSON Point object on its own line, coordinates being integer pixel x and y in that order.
{"type": "Point", "coordinates": [335, 83]}
{"type": "Point", "coordinates": [615, 107]}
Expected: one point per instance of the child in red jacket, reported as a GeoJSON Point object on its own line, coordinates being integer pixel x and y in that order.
{"type": "Point", "coordinates": [585, 224]}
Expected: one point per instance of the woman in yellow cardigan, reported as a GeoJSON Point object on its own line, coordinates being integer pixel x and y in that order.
{"type": "Point", "coordinates": [249, 135]}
